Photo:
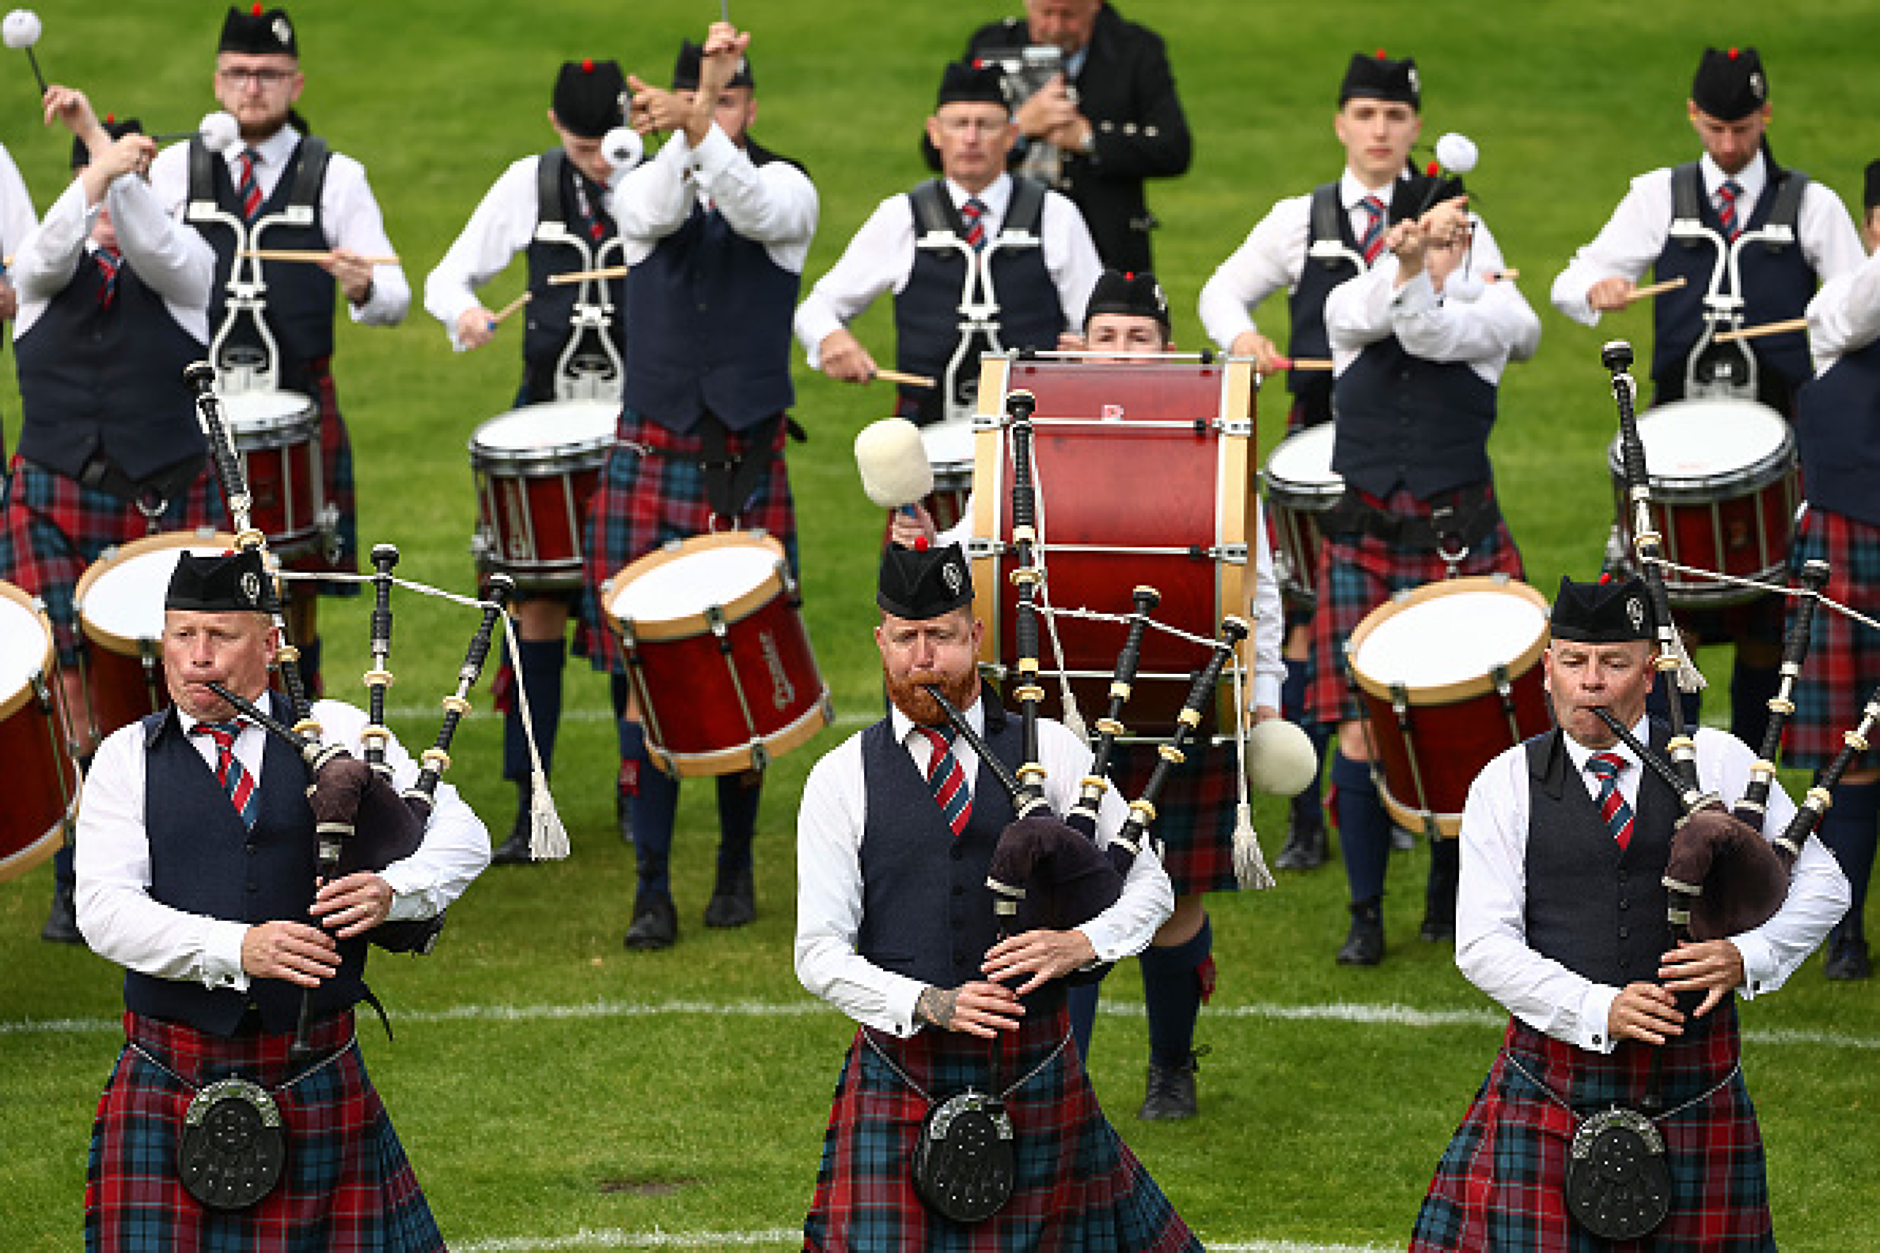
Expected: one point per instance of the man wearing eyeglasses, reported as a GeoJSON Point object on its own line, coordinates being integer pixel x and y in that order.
{"type": "Point", "coordinates": [977, 259]}
{"type": "Point", "coordinates": [282, 188]}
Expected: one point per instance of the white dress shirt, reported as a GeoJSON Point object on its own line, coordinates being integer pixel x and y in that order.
{"type": "Point", "coordinates": [1491, 896]}
{"type": "Point", "coordinates": [17, 218]}
{"type": "Point", "coordinates": [502, 225]}
{"type": "Point", "coordinates": [1632, 240]}
{"type": "Point", "coordinates": [1486, 333]}
{"type": "Point", "coordinates": [123, 923]}
{"type": "Point", "coordinates": [829, 827]}
{"type": "Point", "coordinates": [169, 258]}
{"type": "Point", "coordinates": [773, 204]}
{"type": "Point", "coordinates": [1274, 256]}
{"type": "Point", "coordinates": [349, 214]}
{"type": "Point", "coordinates": [881, 259]}
{"type": "Point", "coordinates": [1844, 316]}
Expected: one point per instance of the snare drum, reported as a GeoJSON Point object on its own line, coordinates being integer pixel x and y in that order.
{"type": "Point", "coordinates": [1725, 484]}
{"type": "Point", "coordinates": [1144, 476]}
{"type": "Point", "coordinates": [1448, 677]}
{"type": "Point", "coordinates": [1300, 485]}
{"type": "Point", "coordinates": [277, 437]}
{"type": "Point", "coordinates": [119, 601]}
{"type": "Point", "coordinates": [717, 653]}
{"type": "Point", "coordinates": [535, 469]}
{"type": "Point", "coordinates": [949, 448]}
{"type": "Point", "coordinates": [42, 787]}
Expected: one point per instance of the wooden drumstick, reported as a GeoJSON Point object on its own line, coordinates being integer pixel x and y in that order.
{"type": "Point", "coordinates": [1655, 289]}
{"type": "Point", "coordinates": [497, 317]}
{"type": "Point", "coordinates": [1767, 328]}
{"type": "Point", "coordinates": [307, 254]}
{"type": "Point", "coordinates": [911, 380]}
{"type": "Point", "coordinates": [1310, 363]}
{"type": "Point", "coordinates": [581, 276]}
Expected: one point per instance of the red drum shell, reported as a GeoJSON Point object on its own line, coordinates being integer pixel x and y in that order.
{"type": "Point", "coordinates": [1725, 485]}
{"type": "Point", "coordinates": [277, 437]}
{"type": "Point", "coordinates": [711, 704]}
{"type": "Point", "coordinates": [1454, 719]}
{"type": "Point", "coordinates": [42, 775]}
{"type": "Point", "coordinates": [535, 469]}
{"type": "Point", "coordinates": [1300, 485]}
{"type": "Point", "coordinates": [1142, 479]}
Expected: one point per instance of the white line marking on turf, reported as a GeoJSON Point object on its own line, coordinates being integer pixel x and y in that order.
{"type": "Point", "coordinates": [1350, 1013]}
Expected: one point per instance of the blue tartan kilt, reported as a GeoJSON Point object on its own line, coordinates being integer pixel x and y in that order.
{"type": "Point", "coordinates": [1501, 1182]}
{"type": "Point", "coordinates": [1079, 1188]}
{"type": "Point", "coordinates": [1842, 668]}
{"type": "Point", "coordinates": [1194, 815]}
{"type": "Point", "coordinates": [347, 1184]}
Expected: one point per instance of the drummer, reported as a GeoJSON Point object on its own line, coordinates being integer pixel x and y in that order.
{"type": "Point", "coordinates": [573, 348]}
{"type": "Point", "coordinates": [1734, 191]}
{"type": "Point", "coordinates": [1197, 809]}
{"type": "Point", "coordinates": [1415, 383]}
{"type": "Point", "coordinates": [258, 79]}
{"type": "Point", "coordinates": [977, 259]}
{"type": "Point", "coordinates": [1309, 244]}
{"type": "Point", "coordinates": [699, 447]}
{"type": "Point", "coordinates": [114, 300]}
{"type": "Point", "coordinates": [17, 220]}
{"type": "Point", "coordinates": [1838, 424]}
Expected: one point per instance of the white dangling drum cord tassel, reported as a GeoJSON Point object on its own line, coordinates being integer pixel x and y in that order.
{"type": "Point", "coordinates": [548, 838]}
{"type": "Point", "coordinates": [1249, 863]}
{"type": "Point", "coordinates": [1073, 718]}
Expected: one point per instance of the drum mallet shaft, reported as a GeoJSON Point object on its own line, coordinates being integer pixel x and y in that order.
{"type": "Point", "coordinates": [911, 380]}
{"type": "Point", "coordinates": [1767, 328]}
{"type": "Point", "coordinates": [1310, 363]}
{"type": "Point", "coordinates": [496, 318]}
{"type": "Point", "coordinates": [1656, 289]}
{"type": "Point", "coordinates": [307, 254]}
{"type": "Point", "coordinates": [581, 276]}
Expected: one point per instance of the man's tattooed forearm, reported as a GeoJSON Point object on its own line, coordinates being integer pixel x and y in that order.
{"type": "Point", "coordinates": [937, 1007]}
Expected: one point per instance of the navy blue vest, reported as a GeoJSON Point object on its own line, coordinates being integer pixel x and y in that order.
{"type": "Point", "coordinates": [1777, 283]}
{"type": "Point", "coordinates": [204, 861]}
{"type": "Point", "coordinates": [300, 298]}
{"type": "Point", "coordinates": [551, 306]}
{"type": "Point", "coordinates": [926, 910]}
{"type": "Point", "coordinates": [108, 380]}
{"type": "Point", "coordinates": [1837, 424]}
{"type": "Point", "coordinates": [1327, 220]}
{"type": "Point", "coordinates": [1593, 909]}
{"type": "Point", "coordinates": [711, 314]}
{"type": "Point", "coordinates": [927, 311]}
{"type": "Point", "coordinates": [1405, 420]}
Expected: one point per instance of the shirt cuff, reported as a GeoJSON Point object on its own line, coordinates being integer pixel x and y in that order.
{"type": "Point", "coordinates": [1595, 1019]}
{"type": "Point", "coordinates": [1760, 969]}
{"type": "Point", "coordinates": [222, 956]}
{"type": "Point", "coordinates": [1414, 298]}
{"type": "Point", "coordinates": [712, 157]}
{"type": "Point", "coordinates": [1266, 691]}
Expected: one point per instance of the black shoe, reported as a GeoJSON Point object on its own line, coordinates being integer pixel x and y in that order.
{"type": "Point", "coordinates": [733, 904]}
{"type": "Point", "coordinates": [62, 922]}
{"type": "Point", "coordinates": [514, 851]}
{"type": "Point", "coordinates": [1437, 930]}
{"type": "Point", "coordinates": [1171, 1092]}
{"type": "Point", "coordinates": [1364, 945]}
{"type": "Point", "coordinates": [1847, 958]}
{"type": "Point", "coordinates": [1439, 893]}
{"type": "Point", "coordinates": [1305, 846]}
{"type": "Point", "coordinates": [655, 921]}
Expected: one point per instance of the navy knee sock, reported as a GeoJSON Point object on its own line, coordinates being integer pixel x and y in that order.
{"type": "Point", "coordinates": [1750, 690]}
{"type": "Point", "coordinates": [309, 666]}
{"type": "Point", "coordinates": [539, 680]}
{"type": "Point", "coordinates": [1849, 829]}
{"type": "Point", "coordinates": [1308, 806]}
{"type": "Point", "coordinates": [655, 805]}
{"type": "Point", "coordinates": [1171, 990]}
{"type": "Point", "coordinates": [737, 823]}
{"type": "Point", "coordinates": [1081, 1000]}
{"type": "Point", "coordinates": [1363, 828]}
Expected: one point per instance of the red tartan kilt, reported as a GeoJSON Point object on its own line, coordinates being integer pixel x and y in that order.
{"type": "Point", "coordinates": [1842, 668]}
{"type": "Point", "coordinates": [1194, 815]}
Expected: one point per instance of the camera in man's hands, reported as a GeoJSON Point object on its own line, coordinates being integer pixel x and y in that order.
{"type": "Point", "coordinates": [1026, 69]}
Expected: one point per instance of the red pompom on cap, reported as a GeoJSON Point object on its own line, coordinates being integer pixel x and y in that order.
{"type": "Point", "coordinates": [587, 65]}
{"type": "Point", "coordinates": [1433, 168]}
{"type": "Point", "coordinates": [920, 543]}
{"type": "Point", "coordinates": [255, 9]}
{"type": "Point", "coordinates": [1735, 53]}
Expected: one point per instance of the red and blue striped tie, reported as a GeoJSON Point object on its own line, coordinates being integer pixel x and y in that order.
{"type": "Point", "coordinates": [248, 188]}
{"type": "Point", "coordinates": [948, 780]}
{"type": "Point", "coordinates": [1727, 196]}
{"type": "Point", "coordinates": [235, 781]}
{"type": "Point", "coordinates": [1373, 241]}
{"type": "Point", "coordinates": [972, 212]}
{"type": "Point", "coordinates": [1612, 806]}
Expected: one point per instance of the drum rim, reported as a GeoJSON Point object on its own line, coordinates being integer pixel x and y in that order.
{"type": "Point", "coordinates": [1771, 467]}
{"type": "Point", "coordinates": [1459, 690]}
{"type": "Point", "coordinates": [42, 846]}
{"type": "Point", "coordinates": [307, 408]}
{"type": "Point", "coordinates": [12, 702]}
{"type": "Point", "coordinates": [602, 442]}
{"type": "Point", "coordinates": [793, 734]}
{"type": "Point", "coordinates": [689, 626]}
{"type": "Point", "coordinates": [116, 555]}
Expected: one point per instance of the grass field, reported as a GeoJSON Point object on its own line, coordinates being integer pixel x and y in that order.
{"type": "Point", "coordinates": [557, 1092]}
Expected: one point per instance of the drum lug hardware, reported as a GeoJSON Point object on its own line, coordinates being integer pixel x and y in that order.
{"type": "Point", "coordinates": [329, 531]}
{"type": "Point", "coordinates": [715, 617]}
{"type": "Point", "coordinates": [980, 546]}
{"type": "Point", "coordinates": [760, 756]}
{"type": "Point", "coordinates": [1232, 554]}
{"type": "Point", "coordinates": [42, 693]}
{"type": "Point", "coordinates": [1235, 428]}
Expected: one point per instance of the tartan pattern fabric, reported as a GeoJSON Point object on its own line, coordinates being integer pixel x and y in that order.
{"type": "Point", "coordinates": [1373, 241]}
{"type": "Point", "coordinates": [347, 1184]}
{"type": "Point", "coordinates": [1843, 663]}
{"type": "Point", "coordinates": [236, 782]}
{"type": "Point", "coordinates": [1499, 1184]}
{"type": "Point", "coordinates": [1727, 194]}
{"type": "Point", "coordinates": [54, 527]}
{"type": "Point", "coordinates": [1613, 810]}
{"type": "Point", "coordinates": [1359, 573]}
{"type": "Point", "coordinates": [1078, 1185]}
{"type": "Point", "coordinates": [948, 780]}
{"type": "Point", "coordinates": [973, 213]}
{"type": "Point", "coordinates": [336, 468]}
{"type": "Point", "coordinates": [652, 491]}
{"type": "Point", "coordinates": [1195, 814]}
{"type": "Point", "coordinates": [107, 260]}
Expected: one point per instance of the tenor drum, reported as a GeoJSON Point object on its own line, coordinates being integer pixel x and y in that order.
{"type": "Point", "coordinates": [1725, 485]}
{"type": "Point", "coordinates": [277, 437]}
{"type": "Point", "coordinates": [1448, 677]}
{"type": "Point", "coordinates": [1300, 485]}
{"type": "Point", "coordinates": [119, 600]}
{"type": "Point", "coordinates": [535, 469]}
{"type": "Point", "coordinates": [1144, 475]}
{"type": "Point", "coordinates": [717, 653]}
{"type": "Point", "coordinates": [42, 776]}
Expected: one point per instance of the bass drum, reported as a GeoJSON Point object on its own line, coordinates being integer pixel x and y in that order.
{"type": "Point", "coordinates": [42, 774]}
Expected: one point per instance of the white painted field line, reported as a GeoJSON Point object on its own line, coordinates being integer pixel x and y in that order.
{"type": "Point", "coordinates": [1349, 1013]}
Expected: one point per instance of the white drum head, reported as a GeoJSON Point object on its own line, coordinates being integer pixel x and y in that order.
{"type": "Point", "coordinates": [1305, 459]}
{"type": "Point", "coordinates": [571, 425]}
{"type": "Point", "coordinates": [1708, 439]}
{"type": "Point", "coordinates": [949, 445]}
{"type": "Point", "coordinates": [126, 599]}
{"type": "Point", "coordinates": [683, 587]}
{"type": "Point", "coordinates": [23, 644]}
{"type": "Point", "coordinates": [265, 411]}
{"type": "Point", "coordinates": [1450, 639]}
